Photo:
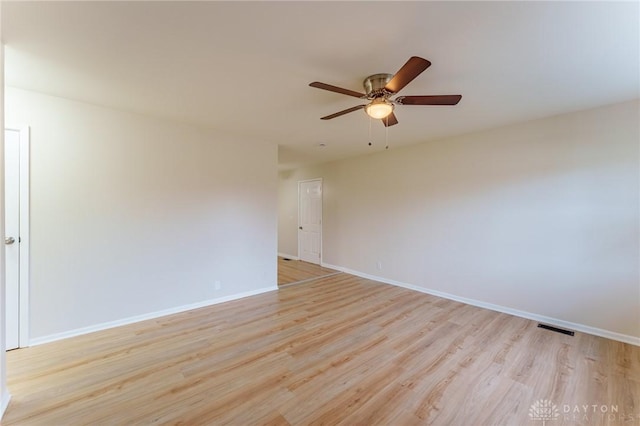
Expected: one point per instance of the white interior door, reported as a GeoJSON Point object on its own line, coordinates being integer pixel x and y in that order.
{"type": "Point", "coordinates": [12, 232]}
{"type": "Point", "coordinates": [310, 220]}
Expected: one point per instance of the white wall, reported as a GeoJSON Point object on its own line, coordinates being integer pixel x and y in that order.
{"type": "Point", "coordinates": [132, 215]}
{"type": "Point", "coordinates": [541, 217]}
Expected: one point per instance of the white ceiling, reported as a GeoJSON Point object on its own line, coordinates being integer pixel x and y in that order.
{"type": "Point", "coordinates": [243, 68]}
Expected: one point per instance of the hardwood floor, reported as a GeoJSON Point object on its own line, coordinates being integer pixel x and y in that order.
{"type": "Point", "coordinates": [295, 271]}
{"type": "Point", "coordinates": [336, 350]}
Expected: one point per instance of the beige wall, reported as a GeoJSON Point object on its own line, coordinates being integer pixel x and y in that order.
{"type": "Point", "coordinates": [132, 215]}
{"type": "Point", "coordinates": [539, 218]}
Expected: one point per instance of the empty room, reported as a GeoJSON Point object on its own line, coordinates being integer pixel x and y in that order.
{"type": "Point", "coordinates": [320, 213]}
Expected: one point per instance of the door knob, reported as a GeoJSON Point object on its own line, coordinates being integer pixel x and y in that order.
{"type": "Point", "coordinates": [9, 240]}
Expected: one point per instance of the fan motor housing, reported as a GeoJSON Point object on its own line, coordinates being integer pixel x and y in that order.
{"type": "Point", "coordinates": [374, 85]}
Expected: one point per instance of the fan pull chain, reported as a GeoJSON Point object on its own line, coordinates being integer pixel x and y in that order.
{"type": "Point", "coordinates": [370, 141]}
{"type": "Point", "coordinates": [386, 134]}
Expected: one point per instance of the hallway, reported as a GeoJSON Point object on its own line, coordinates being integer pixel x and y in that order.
{"type": "Point", "coordinates": [296, 271]}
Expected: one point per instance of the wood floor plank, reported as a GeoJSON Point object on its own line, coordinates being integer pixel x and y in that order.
{"type": "Point", "coordinates": [335, 350]}
{"type": "Point", "coordinates": [294, 271]}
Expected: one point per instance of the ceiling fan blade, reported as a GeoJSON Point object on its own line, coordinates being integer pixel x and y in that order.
{"type": "Point", "coordinates": [429, 100]}
{"type": "Point", "coordinates": [337, 89]}
{"type": "Point", "coordinates": [346, 111]}
{"type": "Point", "coordinates": [389, 120]}
{"type": "Point", "coordinates": [408, 72]}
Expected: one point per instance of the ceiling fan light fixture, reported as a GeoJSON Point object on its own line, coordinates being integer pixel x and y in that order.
{"type": "Point", "coordinates": [379, 108]}
{"type": "Point", "coordinates": [380, 88]}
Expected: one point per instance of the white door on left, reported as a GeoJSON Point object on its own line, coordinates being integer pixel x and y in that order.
{"type": "Point", "coordinates": [11, 235]}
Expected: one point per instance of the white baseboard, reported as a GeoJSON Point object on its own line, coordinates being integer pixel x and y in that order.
{"type": "Point", "coordinates": [498, 308]}
{"type": "Point", "coordinates": [6, 398]}
{"type": "Point", "coordinates": [144, 317]}
{"type": "Point", "coordinates": [288, 256]}
{"type": "Point", "coordinates": [339, 268]}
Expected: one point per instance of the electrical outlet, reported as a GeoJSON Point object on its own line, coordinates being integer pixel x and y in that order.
{"type": "Point", "coordinates": [217, 285]}
{"type": "Point", "coordinates": [379, 265]}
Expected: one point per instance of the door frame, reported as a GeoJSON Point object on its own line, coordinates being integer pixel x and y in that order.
{"type": "Point", "coordinates": [300, 182]}
{"type": "Point", "coordinates": [24, 237]}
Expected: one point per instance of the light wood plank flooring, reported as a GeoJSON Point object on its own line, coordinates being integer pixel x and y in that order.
{"type": "Point", "coordinates": [337, 350]}
{"type": "Point", "coordinates": [295, 271]}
